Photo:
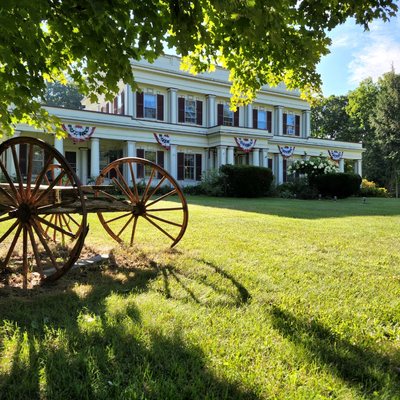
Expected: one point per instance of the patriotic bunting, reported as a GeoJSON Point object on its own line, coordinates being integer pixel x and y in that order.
{"type": "Point", "coordinates": [335, 155]}
{"type": "Point", "coordinates": [79, 133]}
{"type": "Point", "coordinates": [163, 140]}
{"type": "Point", "coordinates": [245, 144]}
{"type": "Point", "coordinates": [286, 151]}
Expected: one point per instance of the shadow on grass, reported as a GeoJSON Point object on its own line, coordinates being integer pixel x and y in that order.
{"type": "Point", "coordinates": [61, 343]}
{"type": "Point", "coordinates": [304, 209]}
{"type": "Point", "coordinates": [366, 370]}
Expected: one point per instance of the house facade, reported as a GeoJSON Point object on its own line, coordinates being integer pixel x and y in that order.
{"type": "Point", "coordinates": [183, 123]}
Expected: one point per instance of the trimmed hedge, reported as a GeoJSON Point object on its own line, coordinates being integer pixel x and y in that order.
{"type": "Point", "coordinates": [341, 184]}
{"type": "Point", "coordinates": [246, 180]}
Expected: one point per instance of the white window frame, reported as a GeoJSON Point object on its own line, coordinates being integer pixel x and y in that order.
{"type": "Point", "coordinates": [145, 109]}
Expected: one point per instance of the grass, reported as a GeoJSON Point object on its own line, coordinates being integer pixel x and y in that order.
{"type": "Point", "coordinates": [262, 299]}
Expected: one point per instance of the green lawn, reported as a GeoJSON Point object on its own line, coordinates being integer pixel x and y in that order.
{"type": "Point", "coordinates": [262, 299]}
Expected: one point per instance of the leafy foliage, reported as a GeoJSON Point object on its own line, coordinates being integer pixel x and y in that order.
{"type": "Point", "coordinates": [59, 95]}
{"type": "Point", "coordinates": [94, 42]}
{"type": "Point", "coordinates": [341, 185]}
{"type": "Point", "coordinates": [371, 189]}
{"type": "Point", "coordinates": [313, 167]}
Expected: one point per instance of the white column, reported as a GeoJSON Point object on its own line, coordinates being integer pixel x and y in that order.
{"type": "Point", "coordinates": [306, 124]}
{"type": "Point", "coordinates": [204, 164]}
{"type": "Point", "coordinates": [132, 102]}
{"type": "Point", "coordinates": [278, 168]}
{"type": "Point", "coordinates": [59, 144]}
{"type": "Point", "coordinates": [264, 158]}
{"type": "Point", "coordinates": [128, 100]}
{"type": "Point", "coordinates": [278, 119]}
{"type": "Point", "coordinates": [341, 165]}
{"type": "Point", "coordinates": [10, 166]}
{"type": "Point", "coordinates": [211, 156]}
{"type": "Point", "coordinates": [211, 110]}
{"type": "Point", "coordinates": [230, 158]}
{"type": "Point", "coordinates": [249, 116]}
{"type": "Point", "coordinates": [256, 157]}
{"type": "Point", "coordinates": [94, 157]}
{"type": "Point", "coordinates": [358, 167]}
{"type": "Point", "coordinates": [221, 156]}
{"type": "Point", "coordinates": [173, 161]}
{"type": "Point", "coordinates": [84, 165]}
{"type": "Point", "coordinates": [129, 151]}
{"type": "Point", "coordinates": [172, 106]}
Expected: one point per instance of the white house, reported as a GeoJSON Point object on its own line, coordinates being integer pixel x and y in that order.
{"type": "Point", "coordinates": [190, 117]}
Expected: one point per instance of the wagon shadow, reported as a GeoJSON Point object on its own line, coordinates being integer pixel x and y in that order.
{"type": "Point", "coordinates": [364, 369]}
{"type": "Point", "coordinates": [62, 342]}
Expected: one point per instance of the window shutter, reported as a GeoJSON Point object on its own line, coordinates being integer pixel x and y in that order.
{"type": "Point", "coordinates": [140, 167]}
{"type": "Point", "coordinates": [269, 121]}
{"type": "Point", "coordinates": [284, 169]}
{"type": "Point", "coordinates": [160, 161]}
{"type": "Point", "coordinates": [139, 104]}
{"type": "Point", "coordinates": [297, 125]}
{"type": "Point", "coordinates": [236, 118]}
{"type": "Point", "coordinates": [160, 107]}
{"type": "Point", "coordinates": [22, 158]}
{"type": "Point", "coordinates": [270, 163]}
{"type": "Point", "coordinates": [122, 110]}
{"type": "Point", "coordinates": [284, 123]}
{"type": "Point", "coordinates": [115, 105]}
{"type": "Point", "coordinates": [108, 107]}
{"type": "Point", "coordinates": [199, 111]}
{"type": "Point", "coordinates": [181, 161]}
{"type": "Point", "coordinates": [198, 167]}
{"type": "Point", "coordinates": [220, 110]}
{"type": "Point", "coordinates": [255, 119]}
{"type": "Point", "coordinates": [181, 109]}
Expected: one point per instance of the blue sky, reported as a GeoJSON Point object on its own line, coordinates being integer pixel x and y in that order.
{"type": "Point", "coordinates": [356, 55]}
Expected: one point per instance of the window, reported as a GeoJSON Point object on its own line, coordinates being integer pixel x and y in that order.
{"type": "Point", "coordinates": [151, 156]}
{"type": "Point", "coordinates": [154, 156]}
{"type": "Point", "coordinates": [150, 106]}
{"type": "Point", "coordinates": [262, 119]}
{"type": "Point", "coordinates": [190, 111]}
{"type": "Point", "coordinates": [70, 156]}
{"type": "Point", "coordinates": [291, 124]}
{"type": "Point", "coordinates": [188, 167]}
{"type": "Point", "coordinates": [228, 116]}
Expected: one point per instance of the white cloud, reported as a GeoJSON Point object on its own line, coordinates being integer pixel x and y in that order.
{"type": "Point", "coordinates": [377, 52]}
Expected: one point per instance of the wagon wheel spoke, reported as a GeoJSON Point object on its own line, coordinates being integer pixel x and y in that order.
{"type": "Point", "coordinates": [35, 251]}
{"type": "Point", "coordinates": [128, 190]}
{"type": "Point", "coordinates": [6, 218]}
{"type": "Point", "coordinates": [10, 183]}
{"type": "Point", "coordinates": [25, 257]}
{"type": "Point", "coordinates": [115, 180]}
{"type": "Point", "coordinates": [54, 226]}
{"type": "Point", "coordinates": [30, 166]}
{"type": "Point", "coordinates": [119, 217]}
{"type": "Point", "coordinates": [155, 189]}
{"type": "Point", "coordinates": [64, 219]}
{"type": "Point", "coordinates": [163, 209]}
{"type": "Point", "coordinates": [44, 244]}
{"type": "Point", "coordinates": [49, 188]}
{"type": "Point", "coordinates": [135, 189]}
{"type": "Point", "coordinates": [18, 172]}
{"type": "Point", "coordinates": [162, 197]}
{"type": "Point", "coordinates": [12, 245]}
{"type": "Point", "coordinates": [148, 184]}
{"type": "Point", "coordinates": [7, 233]}
{"type": "Point", "coordinates": [124, 227]}
{"type": "Point", "coordinates": [41, 175]}
{"type": "Point", "coordinates": [9, 197]}
{"type": "Point", "coordinates": [163, 220]}
{"type": "Point", "coordinates": [158, 227]}
{"type": "Point", "coordinates": [134, 229]}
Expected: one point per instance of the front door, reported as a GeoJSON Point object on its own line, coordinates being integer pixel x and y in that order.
{"type": "Point", "coordinates": [71, 158]}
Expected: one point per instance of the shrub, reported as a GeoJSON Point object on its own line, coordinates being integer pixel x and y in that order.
{"type": "Point", "coordinates": [211, 184]}
{"type": "Point", "coordinates": [246, 180]}
{"type": "Point", "coordinates": [313, 167]}
{"type": "Point", "coordinates": [298, 189]}
{"type": "Point", "coordinates": [370, 189]}
{"type": "Point", "coordinates": [341, 184]}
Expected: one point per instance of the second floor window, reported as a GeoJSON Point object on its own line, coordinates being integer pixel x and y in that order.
{"type": "Point", "coordinates": [226, 116]}
{"type": "Point", "coordinates": [190, 111]}
{"type": "Point", "coordinates": [262, 119]}
{"type": "Point", "coordinates": [291, 124]}
{"type": "Point", "coordinates": [150, 105]}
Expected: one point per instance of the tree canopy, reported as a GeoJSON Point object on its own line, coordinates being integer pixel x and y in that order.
{"type": "Point", "coordinates": [59, 95]}
{"type": "Point", "coordinates": [259, 41]}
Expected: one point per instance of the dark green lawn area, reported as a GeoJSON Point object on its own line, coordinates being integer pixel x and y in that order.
{"type": "Point", "coordinates": [262, 299]}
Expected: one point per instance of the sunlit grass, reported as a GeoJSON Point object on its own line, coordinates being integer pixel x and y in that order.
{"type": "Point", "coordinates": [261, 299]}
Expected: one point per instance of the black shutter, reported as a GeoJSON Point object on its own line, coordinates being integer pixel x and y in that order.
{"type": "Point", "coordinates": [199, 112]}
{"type": "Point", "coordinates": [297, 125]}
{"type": "Point", "coordinates": [181, 162]}
{"type": "Point", "coordinates": [284, 164]}
{"type": "Point", "coordinates": [139, 104]}
{"type": "Point", "coordinates": [181, 109]}
{"type": "Point", "coordinates": [270, 163]}
{"type": "Point", "coordinates": [198, 167]}
{"type": "Point", "coordinates": [139, 167]}
{"type": "Point", "coordinates": [269, 121]}
{"type": "Point", "coordinates": [255, 119]}
{"type": "Point", "coordinates": [108, 107]}
{"type": "Point", "coordinates": [284, 123]}
{"type": "Point", "coordinates": [160, 107]}
{"type": "Point", "coordinates": [22, 159]}
{"type": "Point", "coordinates": [116, 105]}
{"type": "Point", "coordinates": [220, 114]}
{"type": "Point", "coordinates": [160, 162]}
{"type": "Point", "coordinates": [122, 109]}
{"type": "Point", "coordinates": [236, 118]}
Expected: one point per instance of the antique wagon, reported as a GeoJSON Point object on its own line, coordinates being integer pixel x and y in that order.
{"type": "Point", "coordinates": [44, 208]}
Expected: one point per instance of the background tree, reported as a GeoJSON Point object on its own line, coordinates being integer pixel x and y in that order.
{"type": "Point", "coordinates": [60, 95]}
{"type": "Point", "coordinates": [259, 41]}
{"type": "Point", "coordinates": [386, 122]}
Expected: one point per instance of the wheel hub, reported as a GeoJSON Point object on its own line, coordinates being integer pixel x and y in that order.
{"type": "Point", "coordinates": [139, 209]}
{"type": "Point", "coordinates": [23, 213]}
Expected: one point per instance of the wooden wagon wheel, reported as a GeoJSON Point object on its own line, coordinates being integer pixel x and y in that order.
{"type": "Point", "coordinates": [30, 202]}
{"type": "Point", "coordinates": [149, 201]}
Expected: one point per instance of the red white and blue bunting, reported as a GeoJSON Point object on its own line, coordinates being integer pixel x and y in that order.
{"type": "Point", "coordinates": [79, 133]}
{"type": "Point", "coordinates": [163, 140]}
{"type": "Point", "coordinates": [246, 144]}
{"type": "Point", "coordinates": [335, 155]}
{"type": "Point", "coordinates": [286, 151]}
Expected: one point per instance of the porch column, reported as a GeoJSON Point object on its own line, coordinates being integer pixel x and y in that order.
{"type": "Point", "coordinates": [341, 165]}
{"type": "Point", "coordinates": [264, 158]}
{"type": "Point", "coordinates": [205, 163]}
{"type": "Point", "coordinates": [221, 156]}
{"type": "Point", "coordinates": [230, 159]}
{"type": "Point", "coordinates": [172, 105]}
{"type": "Point", "coordinates": [358, 167]}
{"type": "Point", "coordinates": [278, 168]}
{"type": "Point", "coordinates": [10, 166]}
{"type": "Point", "coordinates": [256, 157]}
{"type": "Point", "coordinates": [211, 110]}
{"type": "Point", "coordinates": [173, 161]}
{"type": "Point", "coordinates": [278, 119]}
{"type": "Point", "coordinates": [84, 164]}
{"type": "Point", "coordinates": [249, 116]}
{"type": "Point", "coordinates": [130, 151]}
{"type": "Point", "coordinates": [59, 144]}
{"type": "Point", "coordinates": [94, 157]}
{"type": "Point", "coordinates": [128, 100]}
{"type": "Point", "coordinates": [211, 156]}
{"type": "Point", "coordinates": [306, 125]}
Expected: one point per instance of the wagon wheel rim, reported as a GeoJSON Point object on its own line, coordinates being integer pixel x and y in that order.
{"type": "Point", "coordinates": [144, 203]}
{"type": "Point", "coordinates": [30, 209]}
